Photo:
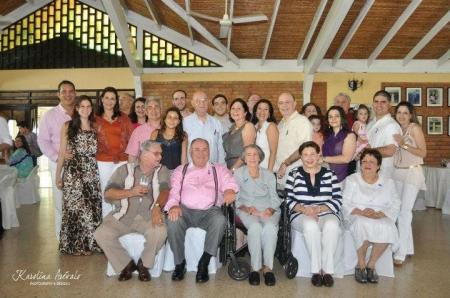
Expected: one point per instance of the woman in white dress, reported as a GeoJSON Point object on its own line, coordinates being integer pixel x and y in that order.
{"type": "Point", "coordinates": [266, 132]}
{"type": "Point", "coordinates": [408, 174]}
{"type": "Point", "coordinates": [371, 206]}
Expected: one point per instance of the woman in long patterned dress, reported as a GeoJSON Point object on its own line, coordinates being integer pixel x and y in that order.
{"type": "Point", "coordinates": [80, 182]}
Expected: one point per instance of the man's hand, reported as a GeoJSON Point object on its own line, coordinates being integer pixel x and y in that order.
{"type": "Point", "coordinates": [175, 213]}
{"type": "Point", "coordinates": [281, 171]}
{"type": "Point", "coordinates": [138, 190]}
{"type": "Point", "coordinates": [157, 217]}
{"type": "Point", "coordinates": [267, 213]}
{"type": "Point", "coordinates": [229, 196]}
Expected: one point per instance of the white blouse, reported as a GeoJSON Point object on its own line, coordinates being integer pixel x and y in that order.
{"type": "Point", "coordinates": [380, 196]}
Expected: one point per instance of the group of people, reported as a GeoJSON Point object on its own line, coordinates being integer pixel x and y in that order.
{"type": "Point", "coordinates": [160, 174]}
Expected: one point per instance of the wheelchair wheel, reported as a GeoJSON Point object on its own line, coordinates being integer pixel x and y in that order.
{"type": "Point", "coordinates": [239, 270]}
{"type": "Point", "coordinates": [291, 267]}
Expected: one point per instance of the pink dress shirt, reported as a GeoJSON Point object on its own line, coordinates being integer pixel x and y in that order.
{"type": "Point", "coordinates": [140, 134]}
{"type": "Point", "coordinates": [50, 131]}
{"type": "Point", "coordinates": [198, 186]}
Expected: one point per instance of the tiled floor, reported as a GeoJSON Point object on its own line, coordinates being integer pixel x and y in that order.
{"type": "Point", "coordinates": [33, 248]}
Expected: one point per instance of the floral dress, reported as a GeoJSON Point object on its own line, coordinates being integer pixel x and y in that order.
{"type": "Point", "coordinates": [82, 201]}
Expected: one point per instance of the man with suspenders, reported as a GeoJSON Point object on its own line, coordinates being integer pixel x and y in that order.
{"type": "Point", "coordinates": [198, 190]}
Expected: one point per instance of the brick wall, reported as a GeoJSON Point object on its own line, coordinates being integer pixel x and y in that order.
{"type": "Point", "coordinates": [438, 146]}
{"type": "Point", "coordinates": [268, 90]}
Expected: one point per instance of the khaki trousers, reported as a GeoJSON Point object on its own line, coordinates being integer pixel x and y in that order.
{"type": "Point", "coordinates": [109, 232]}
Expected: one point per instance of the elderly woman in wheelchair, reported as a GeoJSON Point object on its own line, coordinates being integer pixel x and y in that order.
{"type": "Point", "coordinates": [258, 207]}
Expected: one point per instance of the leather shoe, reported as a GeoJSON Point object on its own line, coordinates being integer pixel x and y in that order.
{"type": "Point", "coordinates": [127, 272]}
{"type": "Point", "coordinates": [269, 279]}
{"type": "Point", "coordinates": [254, 278]}
{"type": "Point", "coordinates": [327, 280]}
{"type": "Point", "coordinates": [361, 275]}
{"type": "Point", "coordinates": [372, 275]}
{"type": "Point", "coordinates": [143, 275]}
{"type": "Point", "coordinates": [316, 280]}
{"type": "Point", "coordinates": [180, 270]}
{"type": "Point", "coordinates": [202, 272]}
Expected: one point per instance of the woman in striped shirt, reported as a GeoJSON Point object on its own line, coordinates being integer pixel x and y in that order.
{"type": "Point", "coordinates": [314, 199]}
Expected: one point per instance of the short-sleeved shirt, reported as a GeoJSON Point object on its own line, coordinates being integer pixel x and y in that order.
{"type": "Point", "coordinates": [381, 133]}
{"type": "Point", "coordinates": [140, 134]}
{"type": "Point", "coordinates": [138, 205]}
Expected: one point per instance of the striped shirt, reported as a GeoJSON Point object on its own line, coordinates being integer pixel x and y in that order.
{"type": "Point", "coordinates": [325, 191]}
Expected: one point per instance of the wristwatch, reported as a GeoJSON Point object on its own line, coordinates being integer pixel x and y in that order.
{"type": "Point", "coordinates": [405, 147]}
{"type": "Point", "coordinates": [157, 205]}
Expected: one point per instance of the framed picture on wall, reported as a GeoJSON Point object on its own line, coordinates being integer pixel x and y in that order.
{"type": "Point", "coordinates": [434, 125]}
{"type": "Point", "coordinates": [396, 94]}
{"type": "Point", "coordinates": [419, 118]}
{"type": "Point", "coordinates": [434, 97]}
{"type": "Point", "coordinates": [414, 96]}
{"type": "Point", "coordinates": [448, 95]}
{"type": "Point", "coordinates": [448, 128]}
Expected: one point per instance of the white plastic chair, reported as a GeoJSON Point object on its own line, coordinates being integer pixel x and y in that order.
{"type": "Point", "coordinates": [345, 257]}
{"type": "Point", "coordinates": [27, 189]}
{"type": "Point", "coordinates": [193, 250]}
{"type": "Point", "coordinates": [8, 178]}
{"type": "Point", "coordinates": [134, 245]}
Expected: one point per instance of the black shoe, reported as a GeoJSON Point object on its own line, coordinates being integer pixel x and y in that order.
{"type": "Point", "coordinates": [269, 279]}
{"type": "Point", "coordinates": [254, 278]}
{"type": "Point", "coordinates": [361, 275]}
{"type": "Point", "coordinates": [372, 276]}
{"type": "Point", "coordinates": [180, 270]}
{"type": "Point", "coordinates": [327, 280]}
{"type": "Point", "coordinates": [202, 272]}
{"type": "Point", "coordinates": [143, 275]}
{"type": "Point", "coordinates": [316, 280]}
{"type": "Point", "coordinates": [127, 272]}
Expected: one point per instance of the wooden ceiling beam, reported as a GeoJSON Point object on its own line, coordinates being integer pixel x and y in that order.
{"type": "Point", "coordinates": [444, 58]}
{"type": "Point", "coordinates": [330, 27]}
{"type": "Point", "coordinates": [151, 8]}
{"type": "Point", "coordinates": [311, 30]}
{"type": "Point", "coordinates": [200, 29]}
{"type": "Point", "coordinates": [119, 20]}
{"type": "Point", "coordinates": [187, 4]}
{"type": "Point", "coordinates": [427, 38]}
{"type": "Point", "coordinates": [231, 27]}
{"type": "Point", "coordinates": [394, 29]}
{"type": "Point", "coordinates": [362, 14]}
{"type": "Point", "coordinates": [276, 6]}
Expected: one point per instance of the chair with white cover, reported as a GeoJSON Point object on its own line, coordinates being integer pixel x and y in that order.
{"type": "Point", "coordinates": [27, 189]}
{"type": "Point", "coordinates": [193, 249]}
{"type": "Point", "coordinates": [8, 178]}
{"type": "Point", "coordinates": [346, 258]}
{"type": "Point", "coordinates": [134, 245]}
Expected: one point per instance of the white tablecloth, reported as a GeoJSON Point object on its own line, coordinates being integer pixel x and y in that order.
{"type": "Point", "coordinates": [8, 178]}
{"type": "Point", "coordinates": [437, 180]}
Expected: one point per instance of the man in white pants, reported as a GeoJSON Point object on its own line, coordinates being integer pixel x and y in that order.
{"type": "Point", "coordinates": [49, 138]}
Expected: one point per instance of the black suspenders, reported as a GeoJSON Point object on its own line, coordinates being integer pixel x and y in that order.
{"type": "Point", "coordinates": [216, 182]}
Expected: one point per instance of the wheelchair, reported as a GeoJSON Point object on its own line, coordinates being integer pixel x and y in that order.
{"type": "Point", "coordinates": [238, 268]}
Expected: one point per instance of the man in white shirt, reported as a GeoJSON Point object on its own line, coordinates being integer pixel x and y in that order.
{"type": "Point", "coordinates": [202, 125]}
{"type": "Point", "coordinates": [220, 108]}
{"type": "Point", "coordinates": [381, 130]}
{"type": "Point", "coordinates": [294, 129]}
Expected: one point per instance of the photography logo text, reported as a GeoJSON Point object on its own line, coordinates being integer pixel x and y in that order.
{"type": "Point", "coordinates": [40, 278]}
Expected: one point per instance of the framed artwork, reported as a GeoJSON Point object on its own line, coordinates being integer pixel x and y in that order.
{"type": "Point", "coordinates": [419, 117]}
{"type": "Point", "coordinates": [448, 95]}
{"type": "Point", "coordinates": [414, 96]}
{"type": "Point", "coordinates": [434, 97]}
{"type": "Point", "coordinates": [396, 94]}
{"type": "Point", "coordinates": [434, 125]}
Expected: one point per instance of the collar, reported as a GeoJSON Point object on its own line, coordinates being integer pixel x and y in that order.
{"type": "Point", "coordinates": [61, 109]}
{"type": "Point", "coordinates": [292, 116]}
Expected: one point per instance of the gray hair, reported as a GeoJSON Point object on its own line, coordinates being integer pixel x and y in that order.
{"type": "Point", "coordinates": [146, 145]}
{"type": "Point", "coordinates": [199, 140]}
{"type": "Point", "coordinates": [347, 97]}
{"type": "Point", "coordinates": [150, 99]}
{"type": "Point", "coordinates": [257, 148]}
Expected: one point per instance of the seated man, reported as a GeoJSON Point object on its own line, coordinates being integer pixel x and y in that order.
{"type": "Point", "coordinates": [194, 201]}
{"type": "Point", "coordinates": [140, 217]}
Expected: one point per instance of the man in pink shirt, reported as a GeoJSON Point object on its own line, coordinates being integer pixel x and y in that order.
{"type": "Point", "coordinates": [142, 133]}
{"type": "Point", "coordinates": [198, 191]}
{"type": "Point", "coordinates": [49, 138]}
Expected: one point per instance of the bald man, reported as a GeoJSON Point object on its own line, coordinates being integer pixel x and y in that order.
{"type": "Point", "coordinates": [252, 100]}
{"type": "Point", "coordinates": [294, 130]}
{"type": "Point", "coordinates": [202, 125]}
